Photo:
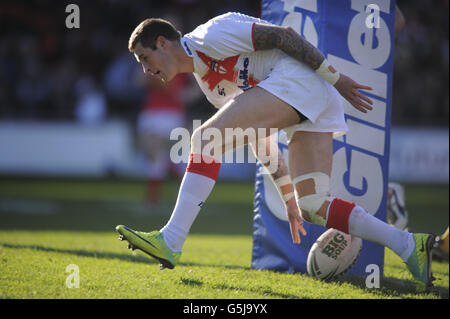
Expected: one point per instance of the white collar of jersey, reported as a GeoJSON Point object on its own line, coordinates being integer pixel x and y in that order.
{"type": "Point", "coordinates": [185, 46]}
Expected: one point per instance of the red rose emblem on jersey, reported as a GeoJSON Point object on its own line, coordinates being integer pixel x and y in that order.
{"type": "Point", "coordinates": [218, 69]}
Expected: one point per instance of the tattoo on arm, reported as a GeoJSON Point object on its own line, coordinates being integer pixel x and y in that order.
{"type": "Point", "coordinates": [268, 37]}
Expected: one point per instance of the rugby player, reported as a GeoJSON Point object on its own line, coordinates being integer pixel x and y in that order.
{"type": "Point", "coordinates": [261, 75]}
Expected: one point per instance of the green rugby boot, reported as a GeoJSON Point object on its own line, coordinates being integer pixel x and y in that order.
{"type": "Point", "coordinates": [152, 244]}
{"type": "Point", "coordinates": [419, 263]}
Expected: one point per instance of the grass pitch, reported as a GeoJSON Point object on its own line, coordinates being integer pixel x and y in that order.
{"type": "Point", "coordinates": [47, 225]}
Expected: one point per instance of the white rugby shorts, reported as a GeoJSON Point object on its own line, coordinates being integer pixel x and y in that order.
{"type": "Point", "coordinates": [309, 94]}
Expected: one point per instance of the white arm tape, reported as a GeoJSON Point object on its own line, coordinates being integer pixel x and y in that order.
{"type": "Point", "coordinates": [285, 180]}
{"type": "Point", "coordinates": [287, 197]}
{"type": "Point", "coordinates": [328, 75]}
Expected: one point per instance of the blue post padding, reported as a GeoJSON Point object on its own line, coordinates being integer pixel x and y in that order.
{"type": "Point", "coordinates": [344, 32]}
{"type": "Point", "coordinates": [272, 244]}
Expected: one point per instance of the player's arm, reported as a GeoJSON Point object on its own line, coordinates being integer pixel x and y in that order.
{"type": "Point", "coordinates": [283, 183]}
{"type": "Point", "coordinates": [267, 37]}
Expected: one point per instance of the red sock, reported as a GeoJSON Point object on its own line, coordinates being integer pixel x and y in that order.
{"type": "Point", "coordinates": [203, 165]}
{"type": "Point", "coordinates": [338, 214]}
{"type": "Point", "coordinates": [198, 182]}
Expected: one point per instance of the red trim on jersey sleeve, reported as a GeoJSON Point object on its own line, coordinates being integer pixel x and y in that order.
{"type": "Point", "coordinates": [253, 38]}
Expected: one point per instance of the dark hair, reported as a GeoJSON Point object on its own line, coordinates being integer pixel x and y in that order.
{"type": "Point", "coordinates": [149, 30]}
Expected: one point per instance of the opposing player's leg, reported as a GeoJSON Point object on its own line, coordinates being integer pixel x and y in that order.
{"type": "Point", "coordinates": [397, 215]}
{"type": "Point", "coordinates": [155, 150]}
{"type": "Point", "coordinates": [153, 128]}
{"type": "Point", "coordinates": [440, 249]}
{"type": "Point", "coordinates": [253, 110]}
{"type": "Point", "coordinates": [310, 159]}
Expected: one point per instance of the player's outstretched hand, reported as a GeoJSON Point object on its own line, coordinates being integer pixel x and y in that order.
{"type": "Point", "coordinates": [295, 221]}
{"type": "Point", "coordinates": [349, 90]}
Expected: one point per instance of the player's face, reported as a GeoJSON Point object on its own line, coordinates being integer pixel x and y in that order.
{"type": "Point", "coordinates": [155, 62]}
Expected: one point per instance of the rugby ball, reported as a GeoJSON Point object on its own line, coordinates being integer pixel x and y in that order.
{"type": "Point", "coordinates": [333, 254]}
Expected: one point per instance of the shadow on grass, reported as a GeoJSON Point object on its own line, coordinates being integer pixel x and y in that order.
{"type": "Point", "coordinates": [388, 285]}
{"type": "Point", "coordinates": [393, 286]}
{"type": "Point", "coordinates": [82, 253]}
{"type": "Point", "coordinates": [267, 292]}
{"type": "Point", "coordinates": [142, 259]}
{"type": "Point", "coordinates": [106, 255]}
{"type": "Point", "coordinates": [214, 265]}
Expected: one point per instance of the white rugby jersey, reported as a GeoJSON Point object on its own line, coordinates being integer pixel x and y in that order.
{"type": "Point", "coordinates": [226, 64]}
{"type": "Point", "coordinates": [225, 60]}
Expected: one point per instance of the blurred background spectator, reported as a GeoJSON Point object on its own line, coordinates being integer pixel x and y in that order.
{"type": "Point", "coordinates": [421, 65]}
{"type": "Point", "coordinates": [50, 72]}
{"type": "Point", "coordinates": [162, 112]}
{"type": "Point", "coordinates": [44, 67]}
{"type": "Point", "coordinates": [54, 77]}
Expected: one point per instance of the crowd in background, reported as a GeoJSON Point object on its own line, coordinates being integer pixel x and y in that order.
{"type": "Point", "coordinates": [50, 72]}
{"type": "Point", "coordinates": [421, 80]}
